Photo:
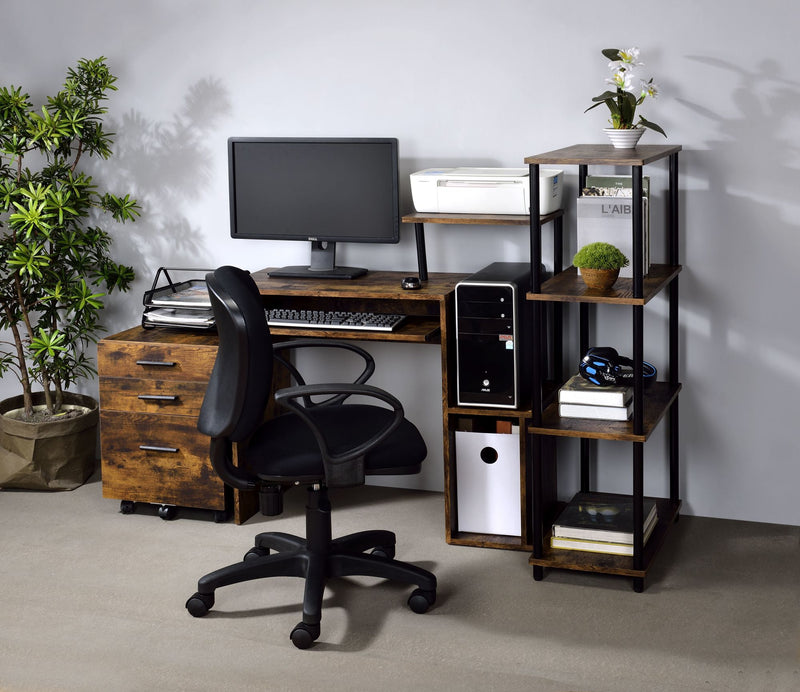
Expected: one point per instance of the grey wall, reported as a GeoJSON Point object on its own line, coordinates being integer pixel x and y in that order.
{"type": "Point", "coordinates": [478, 83]}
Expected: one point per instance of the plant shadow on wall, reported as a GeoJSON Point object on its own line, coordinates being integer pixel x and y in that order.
{"type": "Point", "coordinates": [169, 166]}
{"type": "Point", "coordinates": [742, 242]}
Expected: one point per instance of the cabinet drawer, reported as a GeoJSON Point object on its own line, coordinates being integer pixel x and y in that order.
{"type": "Point", "coordinates": [152, 396]}
{"type": "Point", "coordinates": [156, 361]}
{"type": "Point", "coordinates": [159, 459]}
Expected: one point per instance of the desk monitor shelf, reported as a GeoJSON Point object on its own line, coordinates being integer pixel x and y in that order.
{"type": "Point", "coordinates": [419, 219]}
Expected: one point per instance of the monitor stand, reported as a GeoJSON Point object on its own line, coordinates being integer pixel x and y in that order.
{"type": "Point", "coordinates": [323, 265]}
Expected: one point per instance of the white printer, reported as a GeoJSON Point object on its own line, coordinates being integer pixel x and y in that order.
{"type": "Point", "coordinates": [483, 190]}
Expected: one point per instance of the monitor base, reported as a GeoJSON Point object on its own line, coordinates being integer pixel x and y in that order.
{"type": "Point", "coordinates": [306, 272]}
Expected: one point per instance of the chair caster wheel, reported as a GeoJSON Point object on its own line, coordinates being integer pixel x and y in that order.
{"type": "Point", "coordinates": [199, 604]}
{"type": "Point", "coordinates": [304, 635]}
{"type": "Point", "coordinates": [166, 512]}
{"type": "Point", "coordinates": [255, 553]}
{"type": "Point", "coordinates": [386, 551]}
{"type": "Point", "coordinates": [420, 600]}
{"type": "Point", "coordinates": [127, 507]}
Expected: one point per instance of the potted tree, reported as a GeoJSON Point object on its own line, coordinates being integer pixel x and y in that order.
{"type": "Point", "coordinates": [55, 268]}
{"type": "Point", "coordinates": [599, 264]}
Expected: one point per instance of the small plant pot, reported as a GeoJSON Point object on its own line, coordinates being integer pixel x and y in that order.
{"type": "Point", "coordinates": [599, 279]}
{"type": "Point", "coordinates": [624, 139]}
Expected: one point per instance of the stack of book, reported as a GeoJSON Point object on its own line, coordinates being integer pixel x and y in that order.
{"type": "Point", "coordinates": [601, 523]}
{"type": "Point", "coordinates": [579, 398]}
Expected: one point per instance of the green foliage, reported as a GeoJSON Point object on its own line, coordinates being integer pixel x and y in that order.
{"type": "Point", "coordinates": [600, 256]}
{"type": "Point", "coordinates": [55, 266]}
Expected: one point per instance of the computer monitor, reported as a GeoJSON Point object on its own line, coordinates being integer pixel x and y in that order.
{"type": "Point", "coordinates": [320, 190]}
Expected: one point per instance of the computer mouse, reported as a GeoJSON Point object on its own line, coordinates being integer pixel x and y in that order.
{"type": "Point", "coordinates": [411, 283]}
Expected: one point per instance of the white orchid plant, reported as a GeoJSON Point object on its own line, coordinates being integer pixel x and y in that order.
{"type": "Point", "coordinates": [629, 91]}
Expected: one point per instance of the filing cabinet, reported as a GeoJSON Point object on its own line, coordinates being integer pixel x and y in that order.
{"type": "Point", "coordinates": [152, 383]}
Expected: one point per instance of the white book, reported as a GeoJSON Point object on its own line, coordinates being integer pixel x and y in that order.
{"type": "Point", "coordinates": [577, 390]}
{"type": "Point", "coordinates": [596, 412]}
{"type": "Point", "coordinates": [608, 547]}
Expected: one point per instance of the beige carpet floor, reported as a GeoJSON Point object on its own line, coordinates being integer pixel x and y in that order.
{"type": "Point", "coordinates": [91, 599]}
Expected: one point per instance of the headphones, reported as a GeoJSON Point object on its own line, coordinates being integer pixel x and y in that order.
{"type": "Point", "coordinates": [603, 366]}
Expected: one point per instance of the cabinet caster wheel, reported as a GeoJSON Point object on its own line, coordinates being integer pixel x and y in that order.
{"type": "Point", "coordinates": [420, 600]}
{"type": "Point", "coordinates": [255, 553]}
{"type": "Point", "coordinates": [127, 506]}
{"type": "Point", "coordinates": [199, 604]}
{"type": "Point", "coordinates": [166, 512]}
{"type": "Point", "coordinates": [304, 635]}
{"type": "Point", "coordinates": [638, 584]}
{"type": "Point", "coordinates": [386, 551]}
{"type": "Point", "coordinates": [220, 516]}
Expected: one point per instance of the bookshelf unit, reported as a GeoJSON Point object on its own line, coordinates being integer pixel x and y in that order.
{"type": "Point", "coordinates": [650, 406]}
{"type": "Point", "coordinates": [483, 419]}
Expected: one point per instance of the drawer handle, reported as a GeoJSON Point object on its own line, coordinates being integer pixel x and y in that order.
{"type": "Point", "coordinates": [155, 448]}
{"type": "Point", "coordinates": [158, 397]}
{"type": "Point", "coordinates": [163, 363]}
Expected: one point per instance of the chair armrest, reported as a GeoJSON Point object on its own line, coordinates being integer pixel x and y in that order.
{"type": "Point", "coordinates": [291, 397]}
{"type": "Point", "coordinates": [279, 348]}
{"type": "Point", "coordinates": [221, 456]}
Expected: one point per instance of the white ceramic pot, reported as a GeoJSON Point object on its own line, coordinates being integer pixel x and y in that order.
{"type": "Point", "coordinates": [624, 139]}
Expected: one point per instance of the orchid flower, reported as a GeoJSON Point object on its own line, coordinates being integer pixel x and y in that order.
{"type": "Point", "coordinates": [623, 100]}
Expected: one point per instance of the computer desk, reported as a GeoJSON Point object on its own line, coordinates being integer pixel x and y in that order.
{"type": "Point", "coordinates": [152, 383]}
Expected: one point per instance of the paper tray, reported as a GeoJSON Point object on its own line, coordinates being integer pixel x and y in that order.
{"type": "Point", "coordinates": [178, 304]}
{"type": "Point", "coordinates": [191, 293]}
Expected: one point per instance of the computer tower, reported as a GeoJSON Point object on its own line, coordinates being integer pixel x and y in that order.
{"type": "Point", "coordinates": [492, 337]}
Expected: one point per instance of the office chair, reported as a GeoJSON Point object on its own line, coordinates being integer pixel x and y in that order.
{"type": "Point", "coordinates": [317, 443]}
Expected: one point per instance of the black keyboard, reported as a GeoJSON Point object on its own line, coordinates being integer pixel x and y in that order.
{"type": "Point", "coordinates": [333, 319]}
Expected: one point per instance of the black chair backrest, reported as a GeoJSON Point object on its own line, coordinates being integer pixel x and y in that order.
{"type": "Point", "coordinates": [241, 381]}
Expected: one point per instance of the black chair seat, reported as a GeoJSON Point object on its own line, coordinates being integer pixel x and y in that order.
{"type": "Point", "coordinates": [284, 448]}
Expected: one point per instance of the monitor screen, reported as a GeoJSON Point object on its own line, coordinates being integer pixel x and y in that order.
{"type": "Point", "coordinates": [319, 190]}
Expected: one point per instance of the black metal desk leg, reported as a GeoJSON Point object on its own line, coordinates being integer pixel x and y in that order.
{"type": "Point", "coordinates": [422, 258]}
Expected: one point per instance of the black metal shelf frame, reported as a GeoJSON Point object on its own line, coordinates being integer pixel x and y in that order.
{"type": "Point", "coordinates": [539, 358]}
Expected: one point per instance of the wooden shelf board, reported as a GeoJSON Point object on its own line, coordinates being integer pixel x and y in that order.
{"type": "Point", "coordinates": [375, 285]}
{"type": "Point", "coordinates": [490, 412]}
{"type": "Point", "coordinates": [568, 287]}
{"type": "Point", "coordinates": [605, 154]}
{"type": "Point", "coordinates": [556, 558]}
{"type": "Point", "coordinates": [658, 397]}
{"type": "Point", "coordinates": [478, 219]}
{"type": "Point", "coordinates": [485, 540]}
